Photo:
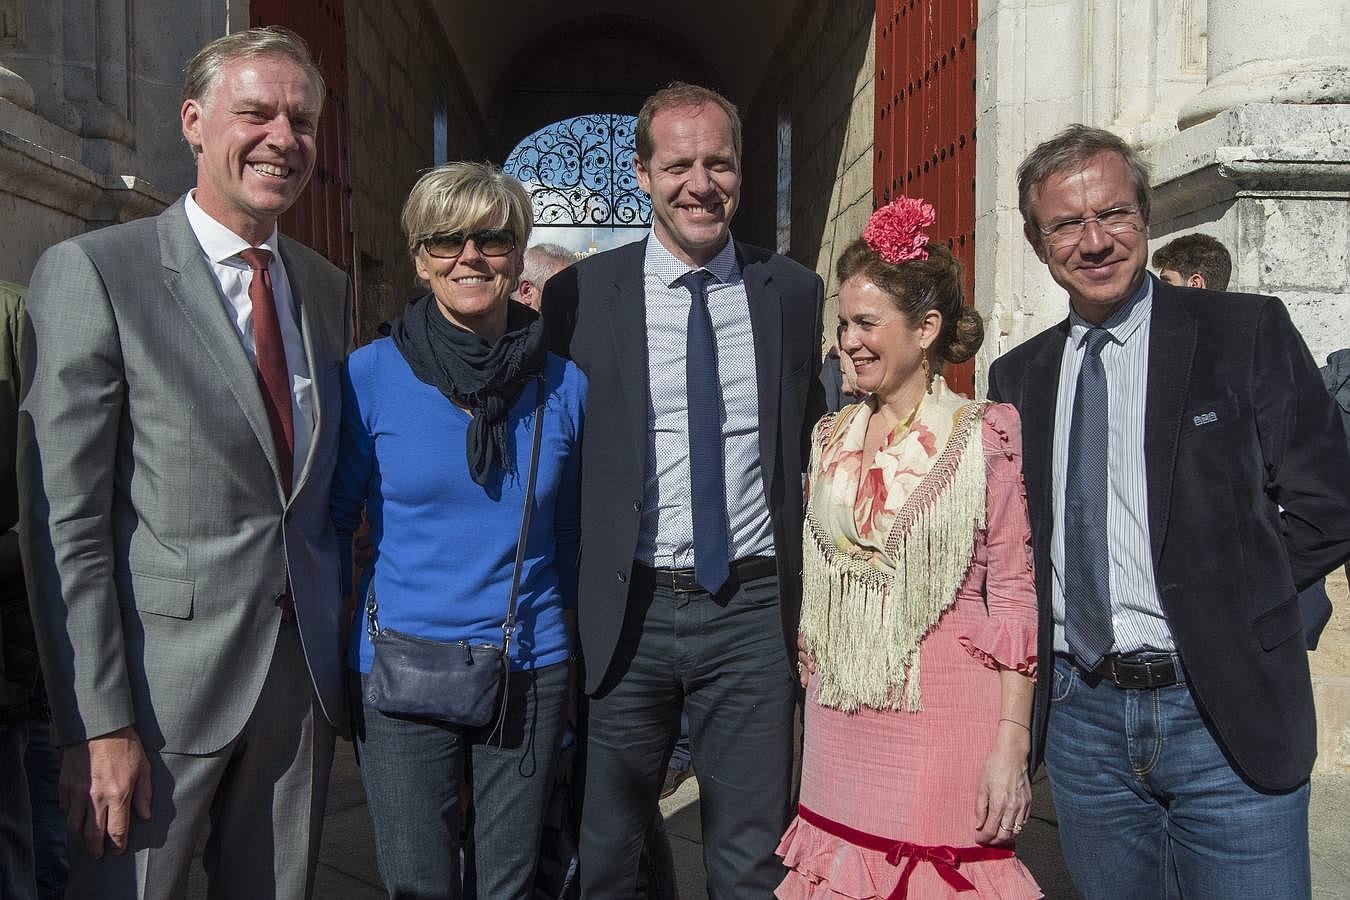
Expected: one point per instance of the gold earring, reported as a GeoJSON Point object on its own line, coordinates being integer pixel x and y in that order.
{"type": "Point", "coordinates": [927, 371]}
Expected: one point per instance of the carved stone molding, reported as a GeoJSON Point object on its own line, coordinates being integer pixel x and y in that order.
{"type": "Point", "coordinates": [14, 89]}
{"type": "Point", "coordinates": [42, 176]}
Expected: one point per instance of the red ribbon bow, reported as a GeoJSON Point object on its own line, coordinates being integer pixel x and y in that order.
{"type": "Point", "coordinates": [946, 860]}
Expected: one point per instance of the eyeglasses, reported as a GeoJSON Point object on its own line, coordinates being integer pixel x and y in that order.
{"type": "Point", "coordinates": [489, 241]}
{"type": "Point", "coordinates": [1113, 221]}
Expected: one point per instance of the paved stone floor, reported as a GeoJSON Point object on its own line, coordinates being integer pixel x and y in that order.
{"type": "Point", "coordinates": [347, 861]}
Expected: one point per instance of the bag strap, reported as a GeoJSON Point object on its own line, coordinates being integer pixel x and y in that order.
{"type": "Point", "coordinates": [509, 626]}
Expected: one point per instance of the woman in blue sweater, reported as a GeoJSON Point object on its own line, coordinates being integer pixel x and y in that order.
{"type": "Point", "coordinates": [437, 427]}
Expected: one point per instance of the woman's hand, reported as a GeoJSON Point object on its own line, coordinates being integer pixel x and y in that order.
{"type": "Point", "coordinates": [1003, 800]}
{"type": "Point", "coordinates": [806, 661]}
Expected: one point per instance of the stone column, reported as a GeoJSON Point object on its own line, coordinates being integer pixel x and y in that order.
{"type": "Point", "coordinates": [1294, 51]}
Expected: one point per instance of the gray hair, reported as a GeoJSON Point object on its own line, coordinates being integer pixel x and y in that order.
{"type": "Point", "coordinates": [458, 196]}
{"type": "Point", "coordinates": [1072, 148]}
{"type": "Point", "coordinates": [543, 261]}
{"type": "Point", "coordinates": [204, 69]}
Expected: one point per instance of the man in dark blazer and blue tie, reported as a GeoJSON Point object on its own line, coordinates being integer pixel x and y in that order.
{"type": "Point", "coordinates": [703, 356]}
{"type": "Point", "coordinates": [1164, 431]}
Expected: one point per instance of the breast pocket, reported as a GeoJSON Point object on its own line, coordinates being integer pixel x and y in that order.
{"type": "Point", "coordinates": [1204, 419]}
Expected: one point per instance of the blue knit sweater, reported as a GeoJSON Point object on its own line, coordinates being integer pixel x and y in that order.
{"type": "Point", "coordinates": [444, 546]}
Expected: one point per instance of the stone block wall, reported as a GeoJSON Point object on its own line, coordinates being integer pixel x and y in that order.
{"type": "Point", "coordinates": [89, 98]}
{"type": "Point", "coordinates": [1272, 183]}
{"type": "Point", "coordinates": [401, 72]}
{"type": "Point", "coordinates": [825, 68]}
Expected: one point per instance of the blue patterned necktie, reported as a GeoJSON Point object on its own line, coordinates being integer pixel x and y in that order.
{"type": "Point", "coordinates": [707, 478]}
{"type": "Point", "coordinates": [1087, 553]}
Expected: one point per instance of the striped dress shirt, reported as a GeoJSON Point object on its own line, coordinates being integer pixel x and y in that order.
{"type": "Point", "coordinates": [1137, 615]}
{"type": "Point", "coordinates": [666, 537]}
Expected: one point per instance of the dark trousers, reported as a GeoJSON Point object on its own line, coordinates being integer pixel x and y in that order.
{"type": "Point", "coordinates": [723, 660]}
{"type": "Point", "coordinates": [412, 769]}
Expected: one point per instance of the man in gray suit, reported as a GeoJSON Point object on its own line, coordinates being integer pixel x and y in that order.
{"type": "Point", "coordinates": [177, 439]}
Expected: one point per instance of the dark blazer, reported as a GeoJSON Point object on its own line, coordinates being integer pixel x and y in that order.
{"type": "Point", "coordinates": [1236, 426]}
{"type": "Point", "coordinates": [595, 315]}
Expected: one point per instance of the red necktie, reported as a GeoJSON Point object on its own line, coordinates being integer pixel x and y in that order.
{"type": "Point", "coordinates": [271, 354]}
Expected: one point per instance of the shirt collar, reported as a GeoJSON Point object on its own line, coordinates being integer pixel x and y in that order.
{"type": "Point", "coordinates": [220, 244]}
{"type": "Point", "coordinates": [724, 267]}
{"type": "Point", "coordinates": [1124, 322]}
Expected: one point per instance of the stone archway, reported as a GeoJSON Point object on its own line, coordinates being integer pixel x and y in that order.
{"type": "Point", "coordinates": [606, 64]}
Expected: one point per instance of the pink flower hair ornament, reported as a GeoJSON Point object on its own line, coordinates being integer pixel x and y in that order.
{"type": "Point", "coordinates": [895, 231]}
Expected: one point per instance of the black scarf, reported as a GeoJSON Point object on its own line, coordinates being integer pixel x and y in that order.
{"type": "Point", "coordinates": [484, 378]}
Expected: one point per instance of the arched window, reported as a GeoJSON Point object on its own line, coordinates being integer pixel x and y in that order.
{"type": "Point", "coordinates": [579, 173]}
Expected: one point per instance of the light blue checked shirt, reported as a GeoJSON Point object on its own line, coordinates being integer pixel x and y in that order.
{"type": "Point", "coordinates": [1137, 616]}
{"type": "Point", "coordinates": [666, 538]}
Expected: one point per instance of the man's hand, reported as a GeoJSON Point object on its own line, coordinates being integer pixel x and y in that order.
{"type": "Point", "coordinates": [102, 781]}
{"type": "Point", "coordinates": [806, 661]}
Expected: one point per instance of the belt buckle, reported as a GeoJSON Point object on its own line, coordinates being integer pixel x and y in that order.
{"type": "Point", "coordinates": [676, 576]}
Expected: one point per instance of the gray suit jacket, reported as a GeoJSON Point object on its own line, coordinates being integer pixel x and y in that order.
{"type": "Point", "coordinates": [156, 533]}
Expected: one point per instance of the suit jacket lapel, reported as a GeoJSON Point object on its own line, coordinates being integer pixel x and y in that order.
{"type": "Point", "coordinates": [298, 278]}
{"type": "Point", "coordinates": [198, 295]}
{"type": "Point", "coordinates": [1036, 406]}
{"type": "Point", "coordinates": [766, 325]}
{"type": "Point", "coordinates": [627, 313]}
{"type": "Point", "coordinates": [1171, 351]}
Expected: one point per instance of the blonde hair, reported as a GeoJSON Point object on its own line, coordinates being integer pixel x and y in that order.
{"type": "Point", "coordinates": [204, 69]}
{"type": "Point", "coordinates": [458, 196]}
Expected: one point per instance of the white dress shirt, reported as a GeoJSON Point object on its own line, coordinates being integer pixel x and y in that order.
{"type": "Point", "coordinates": [221, 248]}
{"type": "Point", "coordinates": [1136, 609]}
{"type": "Point", "coordinates": [666, 537]}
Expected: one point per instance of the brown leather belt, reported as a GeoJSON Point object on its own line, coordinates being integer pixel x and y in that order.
{"type": "Point", "coordinates": [1141, 671]}
{"type": "Point", "coordinates": [683, 580]}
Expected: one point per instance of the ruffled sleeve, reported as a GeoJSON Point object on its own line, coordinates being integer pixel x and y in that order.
{"type": "Point", "coordinates": [1007, 639]}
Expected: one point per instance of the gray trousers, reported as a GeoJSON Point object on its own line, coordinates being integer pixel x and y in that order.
{"type": "Point", "coordinates": [262, 796]}
{"type": "Point", "coordinates": [724, 661]}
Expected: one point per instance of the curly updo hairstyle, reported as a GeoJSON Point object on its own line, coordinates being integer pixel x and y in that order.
{"type": "Point", "coordinates": [916, 286]}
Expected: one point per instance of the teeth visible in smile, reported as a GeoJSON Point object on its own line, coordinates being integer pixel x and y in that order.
{"type": "Point", "coordinates": [472, 279]}
{"type": "Point", "coordinates": [269, 169]}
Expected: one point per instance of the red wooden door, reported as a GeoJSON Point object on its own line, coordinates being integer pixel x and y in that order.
{"type": "Point", "coordinates": [322, 217]}
{"type": "Point", "coordinates": [925, 124]}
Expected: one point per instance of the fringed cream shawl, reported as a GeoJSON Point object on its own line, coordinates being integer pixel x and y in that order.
{"type": "Point", "coordinates": [868, 602]}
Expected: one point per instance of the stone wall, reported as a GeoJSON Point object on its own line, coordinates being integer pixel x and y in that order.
{"type": "Point", "coordinates": [825, 69]}
{"type": "Point", "coordinates": [89, 95]}
{"type": "Point", "coordinates": [403, 81]}
{"type": "Point", "coordinates": [1272, 183]}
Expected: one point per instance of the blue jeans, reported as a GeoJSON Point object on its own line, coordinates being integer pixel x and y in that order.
{"type": "Point", "coordinates": [43, 759]}
{"type": "Point", "coordinates": [681, 758]}
{"type": "Point", "coordinates": [1149, 806]}
{"type": "Point", "coordinates": [412, 771]}
{"type": "Point", "coordinates": [16, 820]}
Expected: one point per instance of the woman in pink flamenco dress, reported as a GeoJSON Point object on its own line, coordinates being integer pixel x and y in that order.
{"type": "Point", "coordinates": [919, 613]}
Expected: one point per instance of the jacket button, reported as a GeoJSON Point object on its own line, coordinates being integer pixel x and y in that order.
{"type": "Point", "coordinates": [622, 577]}
{"type": "Point", "coordinates": [637, 506]}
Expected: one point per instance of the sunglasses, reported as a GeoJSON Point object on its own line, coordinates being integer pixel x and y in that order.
{"type": "Point", "coordinates": [489, 241]}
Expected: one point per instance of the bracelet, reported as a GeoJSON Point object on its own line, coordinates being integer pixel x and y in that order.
{"type": "Point", "coordinates": [1015, 722]}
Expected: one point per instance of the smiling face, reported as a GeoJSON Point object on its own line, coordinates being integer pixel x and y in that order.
{"type": "Point", "coordinates": [253, 133]}
{"type": "Point", "coordinates": [472, 290]}
{"type": "Point", "coordinates": [694, 180]}
{"type": "Point", "coordinates": [1102, 270]}
{"type": "Point", "coordinates": [885, 349]}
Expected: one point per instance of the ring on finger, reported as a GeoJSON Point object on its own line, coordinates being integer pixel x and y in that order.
{"type": "Point", "coordinates": [1017, 829]}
